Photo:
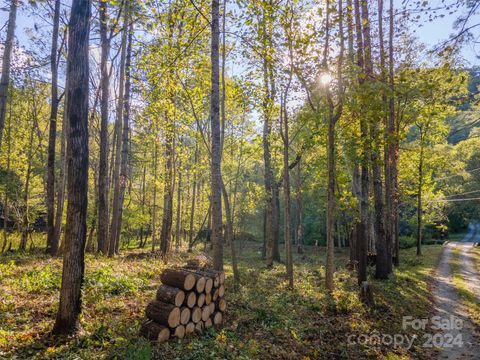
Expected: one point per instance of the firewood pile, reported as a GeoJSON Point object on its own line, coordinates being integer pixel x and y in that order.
{"type": "Point", "coordinates": [188, 301]}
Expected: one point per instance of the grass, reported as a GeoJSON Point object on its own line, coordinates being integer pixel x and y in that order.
{"type": "Point", "coordinates": [469, 300]}
{"type": "Point", "coordinates": [264, 320]}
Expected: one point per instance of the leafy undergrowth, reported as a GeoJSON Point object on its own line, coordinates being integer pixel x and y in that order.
{"type": "Point", "coordinates": [264, 320]}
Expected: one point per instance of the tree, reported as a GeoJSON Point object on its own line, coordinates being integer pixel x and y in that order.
{"type": "Point", "coordinates": [102, 229]}
{"type": "Point", "coordinates": [216, 157]}
{"type": "Point", "coordinates": [6, 64]}
{"type": "Point", "coordinates": [52, 241]}
{"type": "Point", "coordinates": [67, 320]}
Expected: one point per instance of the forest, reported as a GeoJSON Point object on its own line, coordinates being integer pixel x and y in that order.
{"type": "Point", "coordinates": [323, 154]}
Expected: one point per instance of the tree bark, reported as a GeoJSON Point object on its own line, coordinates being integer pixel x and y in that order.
{"type": "Point", "coordinates": [167, 219]}
{"type": "Point", "coordinates": [216, 172]}
{"type": "Point", "coordinates": [362, 229]}
{"type": "Point", "coordinates": [67, 320]}
{"type": "Point", "coordinates": [419, 197]}
{"type": "Point", "coordinates": [103, 188]}
{"type": "Point", "coordinates": [6, 63]}
{"type": "Point", "coordinates": [383, 264]}
{"type": "Point", "coordinates": [114, 224]}
{"type": "Point", "coordinates": [194, 195]}
{"type": "Point", "coordinates": [52, 245]}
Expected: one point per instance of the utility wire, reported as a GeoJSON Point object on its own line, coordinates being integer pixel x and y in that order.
{"type": "Point", "coordinates": [451, 176]}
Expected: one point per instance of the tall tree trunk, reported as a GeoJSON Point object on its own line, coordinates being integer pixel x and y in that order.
{"type": "Point", "coordinates": [179, 209]}
{"type": "Point", "coordinates": [216, 172]}
{"type": "Point", "coordinates": [299, 212]}
{"type": "Point", "coordinates": [26, 190]}
{"type": "Point", "coordinates": [61, 178]}
{"type": "Point", "coordinates": [167, 219]}
{"type": "Point", "coordinates": [419, 197]}
{"type": "Point", "coordinates": [114, 224]}
{"type": "Point", "coordinates": [52, 245]}
{"type": "Point", "coordinates": [154, 208]}
{"type": "Point", "coordinates": [286, 193]}
{"type": "Point", "coordinates": [67, 321]}
{"type": "Point", "coordinates": [7, 54]}
{"type": "Point", "coordinates": [5, 200]}
{"type": "Point", "coordinates": [392, 144]}
{"type": "Point", "coordinates": [125, 135]}
{"type": "Point", "coordinates": [194, 195]}
{"type": "Point", "coordinates": [362, 227]}
{"type": "Point", "coordinates": [383, 264]}
{"type": "Point", "coordinates": [103, 188]}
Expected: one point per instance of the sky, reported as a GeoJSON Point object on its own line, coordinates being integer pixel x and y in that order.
{"type": "Point", "coordinates": [430, 33]}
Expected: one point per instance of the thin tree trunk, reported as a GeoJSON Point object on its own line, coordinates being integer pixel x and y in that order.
{"type": "Point", "coordinates": [103, 183]}
{"type": "Point", "coordinates": [362, 229]}
{"type": "Point", "coordinates": [179, 209]}
{"type": "Point", "coordinates": [154, 208]}
{"type": "Point", "coordinates": [61, 180]}
{"type": "Point", "coordinates": [299, 213]}
{"type": "Point", "coordinates": [216, 172]}
{"type": "Point", "coordinates": [393, 145]}
{"type": "Point", "coordinates": [5, 201]}
{"type": "Point", "coordinates": [194, 195]}
{"type": "Point", "coordinates": [419, 198]}
{"type": "Point", "coordinates": [67, 321]}
{"type": "Point", "coordinates": [383, 264]}
{"type": "Point", "coordinates": [7, 54]}
{"type": "Point", "coordinates": [167, 218]}
{"type": "Point", "coordinates": [114, 224]}
{"type": "Point", "coordinates": [52, 246]}
{"type": "Point", "coordinates": [26, 189]}
{"type": "Point", "coordinates": [125, 136]}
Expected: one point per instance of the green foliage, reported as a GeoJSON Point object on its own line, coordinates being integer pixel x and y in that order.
{"type": "Point", "coordinates": [42, 280]}
{"type": "Point", "coordinates": [105, 282]}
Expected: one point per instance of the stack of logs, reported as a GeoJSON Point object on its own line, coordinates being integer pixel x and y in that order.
{"type": "Point", "coordinates": [187, 301]}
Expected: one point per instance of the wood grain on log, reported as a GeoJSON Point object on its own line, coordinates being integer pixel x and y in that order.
{"type": "Point", "coordinates": [208, 298]}
{"type": "Point", "coordinates": [170, 295]}
{"type": "Point", "coordinates": [191, 299]}
{"type": "Point", "coordinates": [184, 315]}
{"type": "Point", "coordinates": [163, 313]}
{"type": "Point", "coordinates": [201, 300]}
{"type": "Point", "coordinates": [178, 278]}
{"type": "Point", "coordinates": [217, 318]}
{"type": "Point", "coordinates": [221, 304]}
{"type": "Point", "coordinates": [190, 328]}
{"type": "Point", "coordinates": [199, 326]}
{"type": "Point", "coordinates": [179, 331]}
{"type": "Point", "coordinates": [205, 313]}
{"type": "Point", "coordinates": [154, 332]}
{"type": "Point", "coordinates": [208, 323]}
{"type": "Point", "coordinates": [196, 314]}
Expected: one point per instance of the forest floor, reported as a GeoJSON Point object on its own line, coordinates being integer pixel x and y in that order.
{"type": "Point", "coordinates": [264, 320]}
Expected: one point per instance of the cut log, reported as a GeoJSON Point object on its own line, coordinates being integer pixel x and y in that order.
{"type": "Point", "coordinates": [221, 291]}
{"type": "Point", "coordinates": [208, 323]}
{"type": "Point", "coordinates": [205, 313]}
{"type": "Point", "coordinates": [217, 318]}
{"type": "Point", "coordinates": [154, 332]}
{"type": "Point", "coordinates": [196, 314]}
{"type": "Point", "coordinates": [189, 328]}
{"type": "Point", "coordinates": [184, 315]}
{"type": "Point", "coordinates": [208, 298]}
{"type": "Point", "coordinates": [212, 307]}
{"type": "Point", "coordinates": [215, 294]}
{"type": "Point", "coordinates": [221, 304]}
{"type": "Point", "coordinates": [170, 295]}
{"type": "Point", "coordinates": [201, 300]}
{"type": "Point", "coordinates": [199, 326]}
{"type": "Point", "coordinates": [178, 278]}
{"type": "Point", "coordinates": [191, 299]}
{"type": "Point", "coordinates": [200, 283]}
{"type": "Point", "coordinates": [163, 313]}
{"type": "Point", "coordinates": [179, 332]}
{"type": "Point", "coordinates": [208, 285]}
{"type": "Point", "coordinates": [214, 275]}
